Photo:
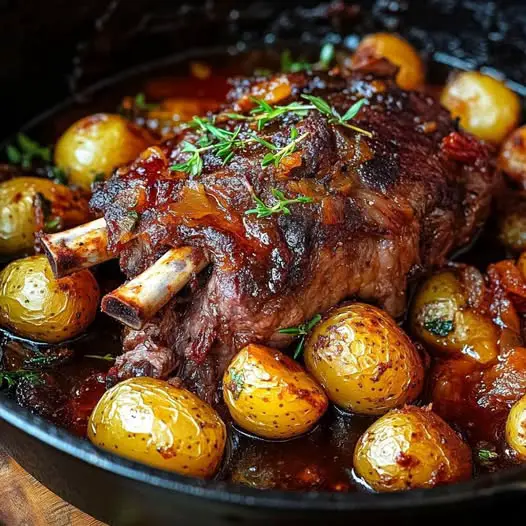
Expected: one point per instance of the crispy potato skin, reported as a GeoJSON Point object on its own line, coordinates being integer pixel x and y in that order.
{"type": "Point", "coordinates": [516, 429]}
{"type": "Point", "coordinates": [36, 305]}
{"type": "Point", "coordinates": [512, 157]}
{"type": "Point", "coordinates": [98, 144]}
{"type": "Point", "coordinates": [442, 319]}
{"type": "Point", "coordinates": [411, 448]}
{"type": "Point", "coordinates": [363, 360]}
{"type": "Point", "coordinates": [161, 425]}
{"type": "Point", "coordinates": [398, 51]}
{"type": "Point", "coordinates": [18, 218]}
{"type": "Point", "coordinates": [270, 395]}
{"type": "Point", "coordinates": [485, 106]}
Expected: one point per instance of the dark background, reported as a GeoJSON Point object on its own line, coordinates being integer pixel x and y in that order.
{"type": "Point", "coordinates": [50, 49]}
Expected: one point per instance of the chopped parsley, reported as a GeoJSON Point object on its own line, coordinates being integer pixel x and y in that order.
{"type": "Point", "coordinates": [10, 379]}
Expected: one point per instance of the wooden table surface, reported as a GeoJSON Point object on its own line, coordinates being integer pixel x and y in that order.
{"type": "Point", "coordinates": [25, 502]}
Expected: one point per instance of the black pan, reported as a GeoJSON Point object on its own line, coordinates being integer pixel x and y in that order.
{"type": "Point", "coordinates": [52, 49]}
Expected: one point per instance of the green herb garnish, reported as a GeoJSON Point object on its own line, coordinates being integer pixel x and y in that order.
{"type": "Point", "coordinates": [485, 455]}
{"type": "Point", "coordinates": [281, 207]}
{"type": "Point", "coordinates": [289, 65]}
{"type": "Point", "coordinates": [99, 177]}
{"type": "Point", "coordinates": [302, 331]}
{"type": "Point", "coordinates": [107, 357]}
{"type": "Point", "coordinates": [439, 327]}
{"type": "Point", "coordinates": [334, 117]}
{"type": "Point", "coordinates": [277, 155]}
{"type": "Point", "coordinates": [238, 383]}
{"type": "Point", "coordinates": [53, 224]}
{"type": "Point", "coordinates": [9, 379]}
{"type": "Point", "coordinates": [141, 104]}
{"type": "Point", "coordinates": [326, 55]}
{"type": "Point", "coordinates": [26, 151]}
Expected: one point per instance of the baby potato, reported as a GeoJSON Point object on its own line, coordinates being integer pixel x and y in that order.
{"type": "Point", "coordinates": [411, 448]}
{"type": "Point", "coordinates": [516, 428]}
{"type": "Point", "coordinates": [94, 146]}
{"type": "Point", "coordinates": [512, 225]}
{"type": "Point", "coordinates": [485, 106]}
{"type": "Point", "coordinates": [398, 51]}
{"type": "Point", "coordinates": [158, 424]}
{"type": "Point", "coordinates": [512, 157]}
{"type": "Point", "coordinates": [270, 395]}
{"type": "Point", "coordinates": [36, 305]}
{"type": "Point", "coordinates": [442, 319]}
{"type": "Point", "coordinates": [363, 360]}
{"type": "Point", "coordinates": [18, 221]}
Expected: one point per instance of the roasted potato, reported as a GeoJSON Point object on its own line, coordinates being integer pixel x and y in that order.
{"type": "Point", "coordinates": [363, 360]}
{"type": "Point", "coordinates": [19, 214]}
{"type": "Point", "coordinates": [411, 448]}
{"type": "Point", "coordinates": [161, 425]}
{"type": "Point", "coordinates": [442, 318]}
{"type": "Point", "coordinates": [36, 305]}
{"type": "Point", "coordinates": [398, 51]}
{"type": "Point", "coordinates": [485, 106]}
{"type": "Point", "coordinates": [270, 395]}
{"type": "Point", "coordinates": [512, 157]}
{"type": "Point", "coordinates": [516, 428]}
{"type": "Point", "coordinates": [512, 223]}
{"type": "Point", "coordinates": [94, 146]}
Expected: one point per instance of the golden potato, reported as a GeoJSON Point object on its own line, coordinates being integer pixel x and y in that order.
{"type": "Point", "coordinates": [363, 360]}
{"type": "Point", "coordinates": [36, 305]}
{"type": "Point", "coordinates": [512, 228]}
{"type": "Point", "coordinates": [411, 448]}
{"type": "Point", "coordinates": [161, 425]}
{"type": "Point", "coordinates": [94, 146]}
{"type": "Point", "coordinates": [443, 320]}
{"type": "Point", "coordinates": [18, 214]}
{"type": "Point", "coordinates": [485, 106]}
{"type": "Point", "coordinates": [398, 51]}
{"type": "Point", "coordinates": [516, 428]}
{"type": "Point", "coordinates": [270, 395]}
{"type": "Point", "coordinates": [512, 157]}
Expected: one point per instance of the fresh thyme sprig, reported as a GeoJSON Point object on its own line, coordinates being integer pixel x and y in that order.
{"type": "Point", "coordinates": [289, 65]}
{"type": "Point", "coordinates": [277, 155]}
{"type": "Point", "coordinates": [26, 151]}
{"type": "Point", "coordinates": [9, 379]}
{"type": "Point", "coordinates": [334, 117]}
{"type": "Point", "coordinates": [281, 207]}
{"type": "Point", "coordinates": [141, 104]}
{"type": "Point", "coordinates": [486, 456]}
{"type": "Point", "coordinates": [107, 357]}
{"type": "Point", "coordinates": [263, 112]}
{"type": "Point", "coordinates": [302, 331]}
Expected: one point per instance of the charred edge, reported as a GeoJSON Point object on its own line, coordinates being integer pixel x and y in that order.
{"type": "Point", "coordinates": [60, 262]}
{"type": "Point", "coordinates": [128, 314]}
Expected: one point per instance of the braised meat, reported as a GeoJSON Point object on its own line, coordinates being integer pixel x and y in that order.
{"type": "Point", "coordinates": [383, 205]}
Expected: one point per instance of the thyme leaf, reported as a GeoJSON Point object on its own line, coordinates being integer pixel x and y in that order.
{"type": "Point", "coordinates": [141, 104]}
{"type": "Point", "coordinates": [281, 207]}
{"type": "Point", "coordinates": [107, 357]}
{"type": "Point", "coordinates": [9, 379]}
{"type": "Point", "coordinates": [302, 331]}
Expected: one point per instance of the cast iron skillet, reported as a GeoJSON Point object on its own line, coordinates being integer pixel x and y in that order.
{"type": "Point", "coordinates": [53, 48]}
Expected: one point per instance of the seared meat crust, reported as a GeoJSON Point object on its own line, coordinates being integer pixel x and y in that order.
{"type": "Point", "coordinates": [385, 209]}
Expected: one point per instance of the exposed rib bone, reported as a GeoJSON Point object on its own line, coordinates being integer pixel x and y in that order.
{"type": "Point", "coordinates": [81, 247]}
{"type": "Point", "coordinates": [140, 299]}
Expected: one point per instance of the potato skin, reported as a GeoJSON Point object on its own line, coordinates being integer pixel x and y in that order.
{"type": "Point", "coordinates": [36, 305]}
{"type": "Point", "coordinates": [18, 222]}
{"type": "Point", "coordinates": [512, 157]}
{"type": "Point", "coordinates": [486, 107]}
{"type": "Point", "coordinates": [516, 429]}
{"type": "Point", "coordinates": [442, 319]}
{"type": "Point", "coordinates": [398, 51]}
{"type": "Point", "coordinates": [98, 144]}
{"type": "Point", "coordinates": [363, 360]}
{"type": "Point", "coordinates": [158, 424]}
{"type": "Point", "coordinates": [270, 395]}
{"type": "Point", "coordinates": [411, 448]}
